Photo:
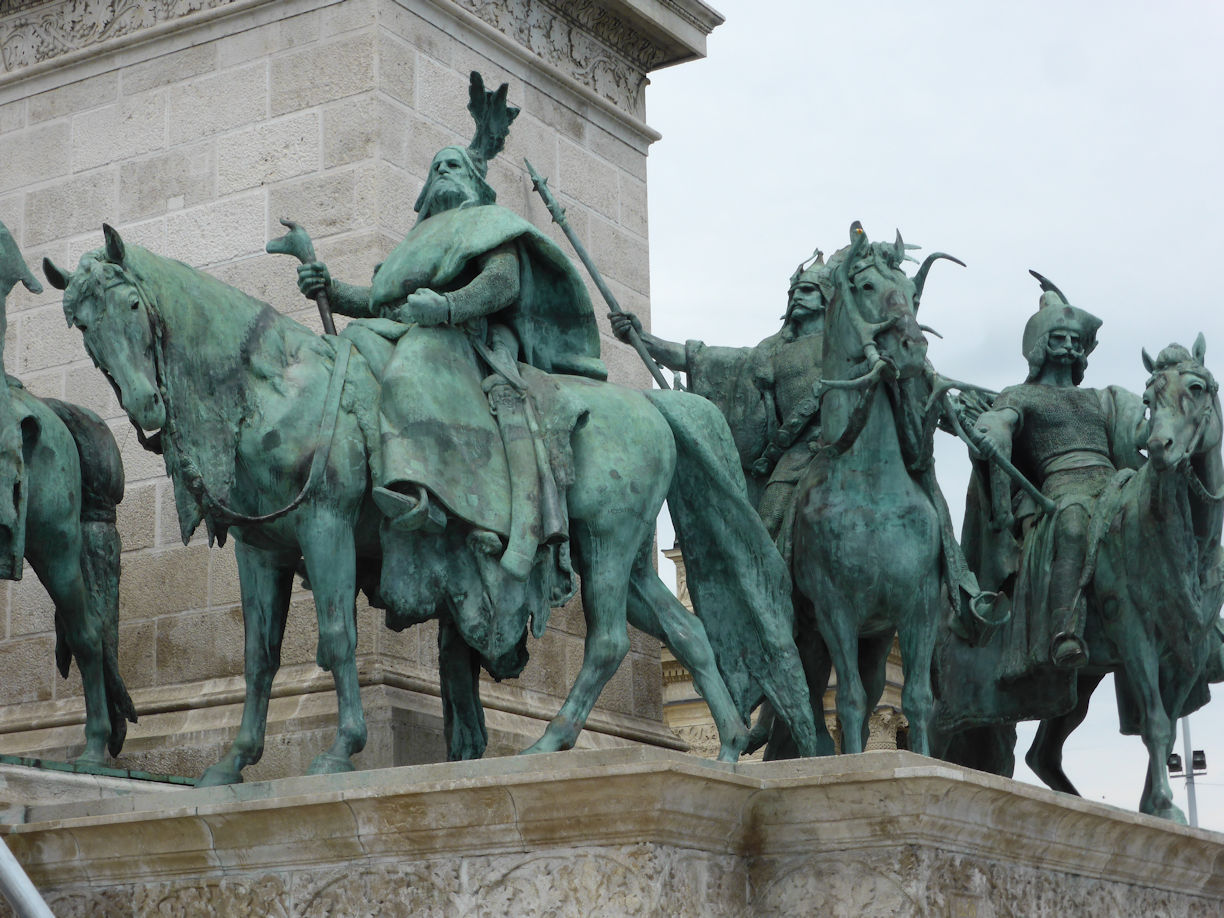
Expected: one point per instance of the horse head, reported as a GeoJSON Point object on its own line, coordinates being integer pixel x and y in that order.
{"type": "Point", "coordinates": [1183, 402]}
{"type": "Point", "coordinates": [103, 299]}
{"type": "Point", "coordinates": [873, 314]}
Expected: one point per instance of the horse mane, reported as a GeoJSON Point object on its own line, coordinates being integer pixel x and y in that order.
{"type": "Point", "coordinates": [215, 342]}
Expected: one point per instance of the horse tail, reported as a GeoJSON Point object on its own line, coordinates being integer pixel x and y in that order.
{"type": "Point", "coordinates": [737, 580]}
{"type": "Point", "coordinates": [102, 484]}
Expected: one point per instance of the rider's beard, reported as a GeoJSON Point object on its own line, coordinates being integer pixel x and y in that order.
{"type": "Point", "coordinates": [447, 194]}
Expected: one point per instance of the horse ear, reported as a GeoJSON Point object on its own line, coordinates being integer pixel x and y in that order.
{"type": "Point", "coordinates": [1200, 348]}
{"type": "Point", "coordinates": [1148, 363]}
{"type": "Point", "coordinates": [114, 245]}
{"type": "Point", "coordinates": [59, 279]}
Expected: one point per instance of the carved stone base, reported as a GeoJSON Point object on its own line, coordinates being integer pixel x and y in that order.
{"type": "Point", "coordinates": [620, 832]}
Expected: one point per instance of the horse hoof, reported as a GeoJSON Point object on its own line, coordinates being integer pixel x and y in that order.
{"type": "Point", "coordinates": [218, 776]}
{"type": "Point", "coordinates": [1171, 812]}
{"type": "Point", "coordinates": [89, 759]}
{"type": "Point", "coordinates": [325, 763]}
{"type": "Point", "coordinates": [543, 745]}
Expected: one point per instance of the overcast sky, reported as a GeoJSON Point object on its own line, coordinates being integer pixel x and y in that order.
{"type": "Point", "coordinates": [1081, 140]}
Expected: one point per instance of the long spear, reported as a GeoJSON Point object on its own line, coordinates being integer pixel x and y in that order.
{"type": "Point", "coordinates": [558, 214]}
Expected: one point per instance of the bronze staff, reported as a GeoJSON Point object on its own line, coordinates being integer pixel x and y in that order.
{"type": "Point", "coordinates": [558, 214]}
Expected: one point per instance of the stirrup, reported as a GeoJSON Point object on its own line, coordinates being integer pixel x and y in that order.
{"type": "Point", "coordinates": [408, 513]}
{"type": "Point", "coordinates": [1068, 651]}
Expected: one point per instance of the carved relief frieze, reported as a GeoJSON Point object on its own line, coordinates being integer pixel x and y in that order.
{"type": "Point", "coordinates": [582, 39]}
{"type": "Point", "coordinates": [909, 881]}
{"type": "Point", "coordinates": [34, 32]}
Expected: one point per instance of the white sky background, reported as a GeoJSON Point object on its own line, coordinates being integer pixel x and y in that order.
{"type": "Point", "coordinates": [1082, 140]}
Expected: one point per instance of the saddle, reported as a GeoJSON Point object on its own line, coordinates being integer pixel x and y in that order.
{"type": "Point", "coordinates": [525, 459]}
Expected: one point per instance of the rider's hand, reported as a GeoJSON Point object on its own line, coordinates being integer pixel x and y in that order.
{"type": "Point", "coordinates": [622, 322]}
{"type": "Point", "coordinates": [425, 307]}
{"type": "Point", "coordinates": [991, 440]}
{"type": "Point", "coordinates": [313, 277]}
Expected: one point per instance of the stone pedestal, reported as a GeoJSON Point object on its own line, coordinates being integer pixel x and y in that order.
{"type": "Point", "coordinates": [191, 126]}
{"type": "Point", "coordinates": [624, 832]}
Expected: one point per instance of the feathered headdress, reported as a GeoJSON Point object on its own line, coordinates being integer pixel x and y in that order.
{"type": "Point", "coordinates": [493, 118]}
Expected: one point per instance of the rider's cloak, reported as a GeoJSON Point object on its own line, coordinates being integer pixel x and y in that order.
{"type": "Point", "coordinates": [436, 427]}
{"type": "Point", "coordinates": [1023, 685]}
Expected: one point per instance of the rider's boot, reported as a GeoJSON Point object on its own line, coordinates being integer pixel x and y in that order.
{"type": "Point", "coordinates": [1067, 650]}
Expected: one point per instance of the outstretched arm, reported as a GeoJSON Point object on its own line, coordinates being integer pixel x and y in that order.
{"type": "Point", "coordinates": [346, 299]}
{"type": "Point", "coordinates": [669, 353]}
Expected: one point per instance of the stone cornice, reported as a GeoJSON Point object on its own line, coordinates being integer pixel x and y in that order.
{"type": "Point", "coordinates": [33, 31]}
{"type": "Point", "coordinates": [608, 46]}
{"type": "Point", "coordinates": [646, 34]}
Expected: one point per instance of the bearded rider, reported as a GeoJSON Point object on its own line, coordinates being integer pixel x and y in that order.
{"type": "Point", "coordinates": [473, 290]}
{"type": "Point", "coordinates": [1069, 441]}
{"type": "Point", "coordinates": [766, 392]}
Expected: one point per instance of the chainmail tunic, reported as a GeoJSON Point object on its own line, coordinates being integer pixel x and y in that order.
{"type": "Point", "coordinates": [1054, 421]}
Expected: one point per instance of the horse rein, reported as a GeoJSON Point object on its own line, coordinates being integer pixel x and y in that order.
{"type": "Point", "coordinates": [216, 509]}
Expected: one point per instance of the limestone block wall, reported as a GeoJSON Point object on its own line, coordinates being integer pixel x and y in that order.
{"type": "Point", "coordinates": [191, 127]}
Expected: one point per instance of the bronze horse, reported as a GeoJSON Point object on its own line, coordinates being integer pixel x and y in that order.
{"type": "Point", "coordinates": [63, 479]}
{"type": "Point", "coordinates": [1154, 625]}
{"type": "Point", "coordinates": [871, 533]}
{"type": "Point", "coordinates": [235, 392]}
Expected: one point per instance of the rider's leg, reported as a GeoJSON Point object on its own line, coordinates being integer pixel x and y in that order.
{"type": "Point", "coordinates": [1067, 648]}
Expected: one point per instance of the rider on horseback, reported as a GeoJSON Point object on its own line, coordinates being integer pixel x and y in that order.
{"type": "Point", "coordinates": [472, 291]}
{"type": "Point", "coordinates": [1069, 441]}
{"type": "Point", "coordinates": [767, 392]}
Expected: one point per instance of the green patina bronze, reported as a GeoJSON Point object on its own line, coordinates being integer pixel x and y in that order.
{"type": "Point", "coordinates": [769, 393]}
{"type": "Point", "coordinates": [870, 494]}
{"type": "Point", "coordinates": [455, 453]}
{"type": "Point", "coordinates": [1083, 604]}
{"type": "Point", "coordinates": [770, 397]}
{"type": "Point", "coordinates": [60, 481]}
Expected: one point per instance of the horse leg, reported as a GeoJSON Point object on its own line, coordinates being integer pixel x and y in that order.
{"type": "Point", "coordinates": [463, 721]}
{"type": "Point", "coordinates": [917, 638]}
{"type": "Point", "coordinates": [654, 609]}
{"type": "Point", "coordinates": [266, 580]}
{"type": "Point", "coordinates": [1045, 755]}
{"type": "Point", "coordinates": [330, 555]}
{"type": "Point", "coordinates": [56, 559]}
{"type": "Point", "coordinates": [1155, 726]}
{"type": "Point", "coordinates": [873, 670]}
{"type": "Point", "coordinates": [604, 565]}
{"type": "Point", "coordinates": [840, 632]}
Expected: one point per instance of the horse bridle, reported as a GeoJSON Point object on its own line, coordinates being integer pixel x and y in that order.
{"type": "Point", "coordinates": [1197, 487]}
{"type": "Point", "coordinates": [194, 478]}
{"type": "Point", "coordinates": [880, 370]}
